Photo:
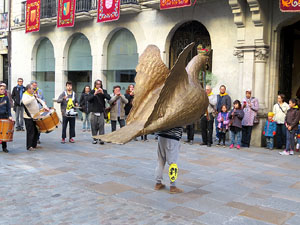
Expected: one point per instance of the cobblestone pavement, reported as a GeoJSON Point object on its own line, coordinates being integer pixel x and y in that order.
{"type": "Point", "coordinates": [83, 183]}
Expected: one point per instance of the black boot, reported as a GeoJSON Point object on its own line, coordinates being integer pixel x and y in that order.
{"type": "Point", "coordinates": [5, 150]}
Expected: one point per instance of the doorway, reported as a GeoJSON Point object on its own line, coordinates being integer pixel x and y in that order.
{"type": "Point", "coordinates": [289, 75]}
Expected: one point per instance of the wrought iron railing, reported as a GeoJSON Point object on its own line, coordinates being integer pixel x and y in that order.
{"type": "Point", "coordinates": [49, 7]}
{"type": "Point", "coordinates": [126, 2]}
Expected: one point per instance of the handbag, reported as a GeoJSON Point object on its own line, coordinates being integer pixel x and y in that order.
{"type": "Point", "coordinates": [256, 120]}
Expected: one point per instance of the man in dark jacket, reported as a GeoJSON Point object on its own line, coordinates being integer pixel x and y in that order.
{"type": "Point", "coordinates": [97, 108]}
{"type": "Point", "coordinates": [17, 95]}
{"type": "Point", "coordinates": [222, 99]}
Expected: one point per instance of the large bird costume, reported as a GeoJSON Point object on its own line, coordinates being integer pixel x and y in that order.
{"type": "Point", "coordinates": [163, 99]}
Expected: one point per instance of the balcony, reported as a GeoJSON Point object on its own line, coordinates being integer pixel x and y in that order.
{"type": "Point", "coordinates": [154, 4]}
{"type": "Point", "coordinates": [85, 10]}
{"type": "Point", "coordinates": [130, 6]}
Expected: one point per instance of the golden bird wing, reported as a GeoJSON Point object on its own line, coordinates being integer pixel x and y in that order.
{"type": "Point", "coordinates": [151, 75]}
{"type": "Point", "coordinates": [182, 100]}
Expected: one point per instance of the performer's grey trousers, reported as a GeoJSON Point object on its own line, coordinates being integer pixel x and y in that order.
{"type": "Point", "coordinates": [97, 124]}
{"type": "Point", "coordinates": [168, 151]}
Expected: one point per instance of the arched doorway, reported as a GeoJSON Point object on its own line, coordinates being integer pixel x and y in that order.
{"type": "Point", "coordinates": [122, 59]}
{"type": "Point", "coordinates": [45, 70]}
{"type": "Point", "coordinates": [79, 63]}
{"type": "Point", "coordinates": [289, 76]}
{"type": "Point", "coordinates": [192, 31]}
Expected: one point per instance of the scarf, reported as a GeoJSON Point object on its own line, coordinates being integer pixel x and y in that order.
{"type": "Point", "coordinates": [36, 90]}
{"type": "Point", "coordinates": [26, 93]}
{"type": "Point", "coordinates": [223, 94]}
{"type": "Point", "coordinates": [295, 107]}
{"type": "Point", "coordinates": [211, 93]}
{"type": "Point", "coordinates": [21, 90]}
{"type": "Point", "coordinates": [1, 96]}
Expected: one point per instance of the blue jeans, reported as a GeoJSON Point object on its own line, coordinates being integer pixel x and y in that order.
{"type": "Point", "coordinates": [290, 140]}
{"type": "Point", "coordinates": [86, 121]}
{"type": "Point", "coordinates": [270, 142]}
{"type": "Point", "coordinates": [216, 126]}
{"type": "Point", "coordinates": [237, 135]}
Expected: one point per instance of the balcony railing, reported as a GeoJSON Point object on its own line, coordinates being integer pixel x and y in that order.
{"type": "Point", "coordinates": [49, 7]}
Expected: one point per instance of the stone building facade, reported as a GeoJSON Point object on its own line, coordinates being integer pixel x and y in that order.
{"type": "Point", "coordinates": [254, 46]}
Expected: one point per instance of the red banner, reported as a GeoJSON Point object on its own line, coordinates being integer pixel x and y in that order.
{"type": "Point", "coordinates": [108, 10]}
{"type": "Point", "coordinates": [66, 13]}
{"type": "Point", "coordinates": [290, 5]}
{"type": "Point", "coordinates": [171, 4]}
{"type": "Point", "coordinates": [32, 15]}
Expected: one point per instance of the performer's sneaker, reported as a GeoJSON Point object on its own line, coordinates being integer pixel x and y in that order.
{"type": "Point", "coordinates": [94, 141]}
{"type": "Point", "coordinates": [238, 147]}
{"type": "Point", "coordinates": [31, 149]}
{"type": "Point", "coordinates": [71, 140]}
{"type": "Point", "coordinates": [231, 146]}
{"type": "Point", "coordinates": [291, 152]}
{"type": "Point", "coordinates": [5, 150]}
{"type": "Point", "coordinates": [101, 142]}
{"type": "Point", "coordinates": [175, 190]}
{"type": "Point", "coordinates": [159, 186]}
{"type": "Point", "coordinates": [63, 141]}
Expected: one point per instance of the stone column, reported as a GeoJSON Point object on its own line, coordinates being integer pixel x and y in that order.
{"type": "Point", "coordinates": [261, 55]}
{"type": "Point", "coordinates": [240, 55]}
{"type": "Point", "coordinates": [60, 80]}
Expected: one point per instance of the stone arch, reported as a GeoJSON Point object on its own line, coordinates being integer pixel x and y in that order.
{"type": "Point", "coordinates": [174, 32]}
{"type": "Point", "coordinates": [67, 48]}
{"type": "Point", "coordinates": [43, 68]}
{"type": "Point", "coordinates": [120, 62]}
{"type": "Point", "coordinates": [35, 49]}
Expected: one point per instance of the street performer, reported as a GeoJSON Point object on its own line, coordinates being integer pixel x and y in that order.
{"type": "Point", "coordinates": [31, 103]}
{"type": "Point", "coordinates": [5, 111]}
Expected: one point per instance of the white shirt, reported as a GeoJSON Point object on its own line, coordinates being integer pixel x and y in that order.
{"type": "Point", "coordinates": [32, 105]}
{"type": "Point", "coordinates": [279, 116]}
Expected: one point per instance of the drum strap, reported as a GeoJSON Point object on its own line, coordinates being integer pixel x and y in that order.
{"type": "Point", "coordinates": [26, 111]}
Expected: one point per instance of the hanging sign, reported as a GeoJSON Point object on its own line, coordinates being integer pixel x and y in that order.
{"type": "Point", "coordinates": [108, 10]}
{"type": "Point", "coordinates": [66, 13]}
{"type": "Point", "coordinates": [32, 16]}
{"type": "Point", "coordinates": [171, 4]}
{"type": "Point", "coordinates": [289, 5]}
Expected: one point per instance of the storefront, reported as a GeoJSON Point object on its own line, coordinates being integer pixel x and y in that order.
{"type": "Point", "coordinates": [122, 59]}
{"type": "Point", "coordinates": [44, 72]}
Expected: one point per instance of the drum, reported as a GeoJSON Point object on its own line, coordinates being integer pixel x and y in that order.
{"type": "Point", "coordinates": [6, 130]}
{"type": "Point", "coordinates": [46, 121]}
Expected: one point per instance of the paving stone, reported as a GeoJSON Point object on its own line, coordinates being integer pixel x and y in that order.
{"type": "Point", "coordinates": [88, 184]}
{"type": "Point", "coordinates": [267, 215]}
{"type": "Point", "coordinates": [186, 212]}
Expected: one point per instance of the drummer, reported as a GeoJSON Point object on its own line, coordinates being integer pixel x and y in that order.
{"type": "Point", "coordinates": [31, 106]}
{"type": "Point", "coordinates": [39, 93]}
{"type": "Point", "coordinates": [5, 111]}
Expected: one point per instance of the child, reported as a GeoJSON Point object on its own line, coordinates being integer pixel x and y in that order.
{"type": "Point", "coordinates": [223, 124]}
{"type": "Point", "coordinates": [270, 130]}
{"type": "Point", "coordinates": [291, 124]}
{"type": "Point", "coordinates": [236, 116]}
